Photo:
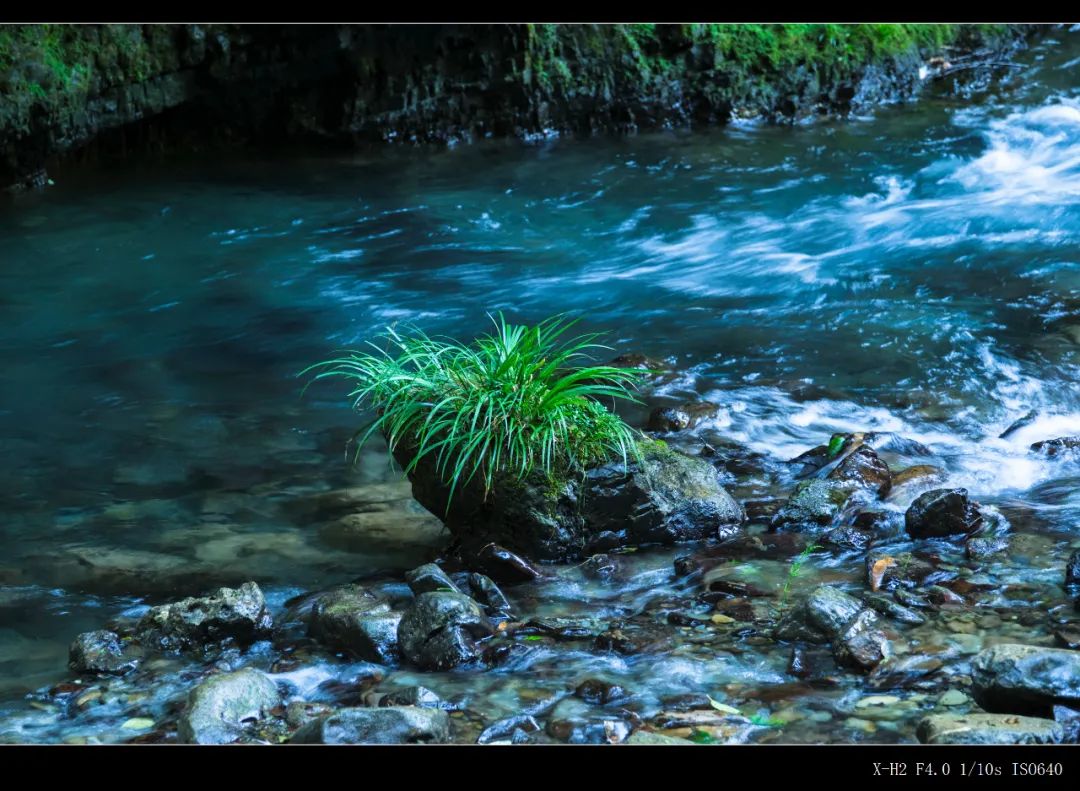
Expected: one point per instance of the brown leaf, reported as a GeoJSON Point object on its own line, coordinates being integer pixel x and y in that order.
{"type": "Point", "coordinates": [877, 572]}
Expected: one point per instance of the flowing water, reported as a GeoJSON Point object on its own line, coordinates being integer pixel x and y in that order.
{"type": "Point", "coordinates": [912, 272]}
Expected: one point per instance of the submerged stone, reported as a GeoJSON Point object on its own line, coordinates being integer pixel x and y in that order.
{"type": "Point", "coordinates": [988, 729]}
{"type": "Point", "coordinates": [390, 725]}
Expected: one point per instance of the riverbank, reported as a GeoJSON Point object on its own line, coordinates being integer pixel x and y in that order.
{"type": "Point", "coordinates": [84, 90]}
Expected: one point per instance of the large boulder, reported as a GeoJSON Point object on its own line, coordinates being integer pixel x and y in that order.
{"type": "Point", "coordinates": [238, 614]}
{"type": "Point", "coordinates": [389, 725]}
{"type": "Point", "coordinates": [102, 652]}
{"type": "Point", "coordinates": [988, 729]}
{"type": "Point", "coordinates": [941, 513]}
{"type": "Point", "coordinates": [664, 498]}
{"type": "Point", "coordinates": [814, 503]}
{"type": "Point", "coordinates": [1026, 679]}
{"type": "Point", "coordinates": [220, 707]}
{"type": "Point", "coordinates": [439, 630]}
{"type": "Point", "coordinates": [353, 619]}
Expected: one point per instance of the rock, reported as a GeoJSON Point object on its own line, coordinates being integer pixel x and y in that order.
{"type": "Point", "coordinates": [863, 468]}
{"type": "Point", "coordinates": [860, 645]}
{"type": "Point", "coordinates": [954, 697]}
{"type": "Point", "coordinates": [238, 614]}
{"type": "Point", "coordinates": [438, 631]}
{"type": "Point", "coordinates": [601, 567]}
{"type": "Point", "coordinates": [507, 727]}
{"type": "Point", "coordinates": [1072, 569]}
{"type": "Point", "coordinates": [565, 628]}
{"type": "Point", "coordinates": [589, 731]}
{"type": "Point", "coordinates": [979, 548]}
{"type": "Point", "coordinates": [942, 512]}
{"type": "Point", "coordinates": [641, 362]}
{"type": "Point", "coordinates": [847, 538]}
{"type": "Point", "coordinates": [1062, 446]}
{"type": "Point", "coordinates": [429, 578]}
{"type": "Point", "coordinates": [599, 692]}
{"type": "Point", "coordinates": [413, 696]}
{"type": "Point", "coordinates": [669, 498]}
{"type": "Point", "coordinates": [102, 652]}
{"type": "Point", "coordinates": [890, 608]}
{"type": "Point", "coordinates": [1025, 679]}
{"type": "Point", "coordinates": [820, 617]}
{"type": "Point", "coordinates": [220, 707]}
{"type": "Point", "coordinates": [504, 566]}
{"type": "Point", "coordinates": [681, 417]}
{"type": "Point", "coordinates": [988, 729]}
{"type": "Point", "coordinates": [1019, 423]}
{"type": "Point", "coordinates": [390, 725]}
{"type": "Point", "coordinates": [913, 481]}
{"type": "Point", "coordinates": [353, 619]}
{"type": "Point", "coordinates": [651, 737]}
{"type": "Point", "coordinates": [813, 503]}
{"type": "Point", "coordinates": [300, 712]}
{"type": "Point", "coordinates": [663, 498]}
{"type": "Point", "coordinates": [485, 591]}
{"type": "Point", "coordinates": [828, 615]}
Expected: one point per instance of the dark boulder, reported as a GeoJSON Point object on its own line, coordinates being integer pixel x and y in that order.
{"type": "Point", "coordinates": [238, 614]}
{"type": "Point", "coordinates": [487, 593]}
{"type": "Point", "coordinates": [390, 725]}
{"type": "Point", "coordinates": [502, 565]}
{"type": "Point", "coordinates": [1026, 679]}
{"type": "Point", "coordinates": [828, 615]}
{"type": "Point", "coordinates": [663, 498]}
{"type": "Point", "coordinates": [102, 652]}
{"type": "Point", "coordinates": [353, 619]}
{"type": "Point", "coordinates": [863, 468]}
{"type": "Point", "coordinates": [942, 512]}
{"type": "Point", "coordinates": [429, 578]}
{"type": "Point", "coordinates": [1062, 446]}
{"type": "Point", "coordinates": [860, 645]}
{"type": "Point", "coordinates": [599, 692]}
{"type": "Point", "coordinates": [439, 630]}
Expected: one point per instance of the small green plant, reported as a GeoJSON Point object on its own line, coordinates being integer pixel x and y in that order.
{"type": "Point", "coordinates": [510, 403]}
{"type": "Point", "coordinates": [793, 573]}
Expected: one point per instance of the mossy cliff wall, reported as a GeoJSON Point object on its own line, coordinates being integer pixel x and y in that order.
{"type": "Point", "coordinates": [64, 86]}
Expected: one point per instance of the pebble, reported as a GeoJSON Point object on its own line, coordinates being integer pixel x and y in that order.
{"type": "Point", "coordinates": [877, 700]}
{"type": "Point", "coordinates": [138, 724]}
{"type": "Point", "coordinates": [860, 725]}
{"type": "Point", "coordinates": [953, 697]}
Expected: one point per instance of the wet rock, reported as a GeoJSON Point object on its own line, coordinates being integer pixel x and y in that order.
{"type": "Point", "coordinates": [502, 565]}
{"type": "Point", "coordinates": [394, 526]}
{"type": "Point", "coordinates": [1020, 423]}
{"type": "Point", "coordinates": [1025, 679]}
{"type": "Point", "coordinates": [238, 614]}
{"type": "Point", "coordinates": [102, 652]}
{"type": "Point", "coordinates": [390, 725]}
{"type": "Point", "coordinates": [978, 548]}
{"type": "Point", "coordinates": [1068, 636]}
{"type": "Point", "coordinates": [487, 593]}
{"type": "Point", "coordinates": [300, 712]}
{"type": "Point", "coordinates": [681, 417]}
{"type": "Point", "coordinates": [641, 362]}
{"type": "Point", "coordinates": [651, 737]}
{"type": "Point", "coordinates": [860, 645]}
{"type": "Point", "coordinates": [1062, 446]}
{"type": "Point", "coordinates": [848, 537]}
{"type": "Point", "coordinates": [599, 692]}
{"type": "Point", "coordinates": [988, 729]}
{"type": "Point", "coordinates": [942, 512]}
{"type": "Point", "coordinates": [913, 481]}
{"type": "Point", "coordinates": [864, 469]}
{"type": "Point", "coordinates": [668, 498]}
{"type": "Point", "coordinates": [439, 630]}
{"type": "Point", "coordinates": [892, 609]}
{"type": "Point", "coordinates": [601, 567]}
{"type": "Point", "coordinates": [637, 636]}
{"type": "Point", "coordinates": [353, 619]}
{"type": "Point", "coordinates": [507, 727]}
{"type": "Point", "coordinates": [421, 697]}
{"type": "Point", "coordinates": [820, 617]}
{"type": "Point", "coordinates": [1072, 569]}
{"type": "Point", "coordinates": [589, 731]}
{"type": "Point", "coordinates": [813, 503]}
{"type": "Point", "coordinates": [565, 627]}
{"type": "Point", "coordinates": [220, 707]}
{"type": "Point", "coordinates": [811, 664]}
{"type": "Point", "coordinates": [904, 672]}
{"type": "Point", "coordinates": [720, 727]}
{"type": "Point", "coordinates": [429, 578]}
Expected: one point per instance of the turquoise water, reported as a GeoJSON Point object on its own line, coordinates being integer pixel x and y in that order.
{"type": "Point", "coordinates": [915, 271]}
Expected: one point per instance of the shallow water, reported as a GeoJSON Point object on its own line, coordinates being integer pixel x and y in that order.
{"type": "Point", "coordinates": [912, 272]}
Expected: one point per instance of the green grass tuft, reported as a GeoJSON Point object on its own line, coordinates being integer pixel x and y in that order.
{"type": "Point", "coordinates": [510, 403]}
